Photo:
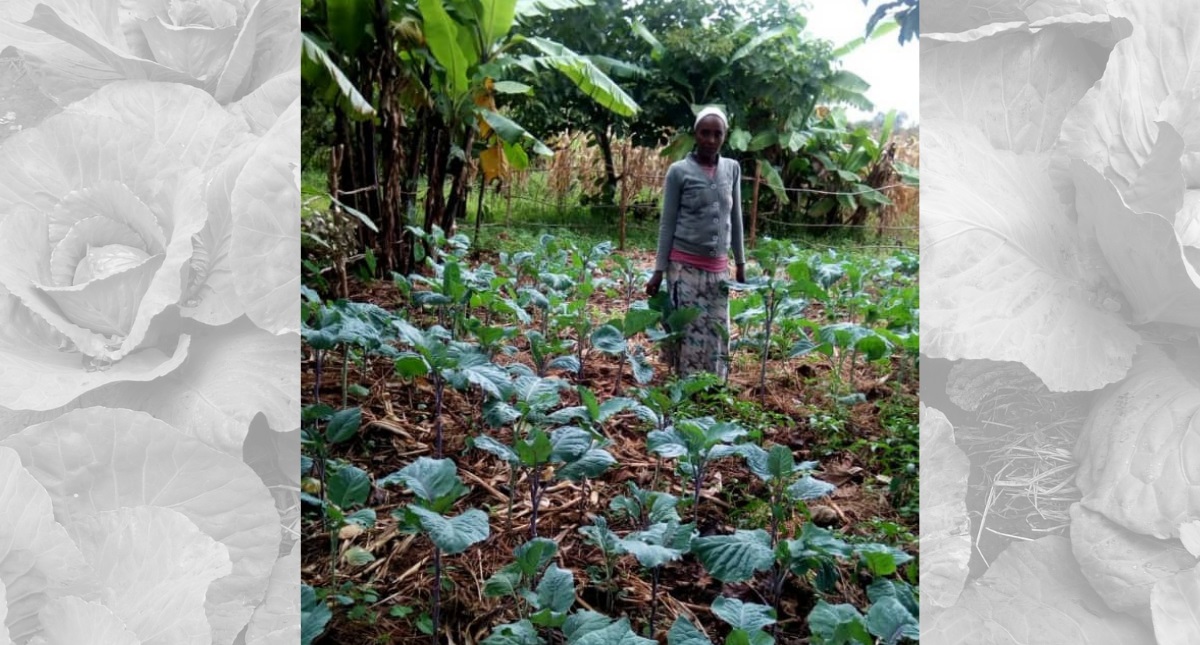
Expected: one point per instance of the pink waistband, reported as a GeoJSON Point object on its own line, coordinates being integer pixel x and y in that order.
{"type": "Point", "coordinates": [715, 265]}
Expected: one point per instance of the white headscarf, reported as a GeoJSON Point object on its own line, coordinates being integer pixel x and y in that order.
{"type": "Point", "coordinates": [711, 111]}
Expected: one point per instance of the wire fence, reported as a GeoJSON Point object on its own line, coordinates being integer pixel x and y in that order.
{"type": "Point", "coordinates": [563, 193]}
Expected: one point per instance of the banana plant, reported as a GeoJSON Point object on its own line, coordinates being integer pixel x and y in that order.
{"type": "Point", "coordinates": [436, 485]}
{"type": "Point", "coordinates": [474, 48]}
{"type": "Point", "coordinates": [437, 356]}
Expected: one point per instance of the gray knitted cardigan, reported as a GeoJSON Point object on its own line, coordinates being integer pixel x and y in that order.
{"type": "Point", "coordinates": [701, 216]}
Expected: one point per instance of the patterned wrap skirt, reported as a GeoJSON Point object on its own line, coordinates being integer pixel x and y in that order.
{"type": "Point", "coordinates": [704, 346]}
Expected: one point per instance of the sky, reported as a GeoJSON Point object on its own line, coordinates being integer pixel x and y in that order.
{"type": "Point", "coordinates": [890, 68]}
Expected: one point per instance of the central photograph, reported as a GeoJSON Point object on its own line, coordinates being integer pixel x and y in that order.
{"type": "Point", "coordinates": [610, 320]}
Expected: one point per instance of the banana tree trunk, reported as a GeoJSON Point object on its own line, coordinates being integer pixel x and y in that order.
{"type": "Point", "coordinates": [437, 144]}
{"type": "Point", "coordinates": [456, 207]}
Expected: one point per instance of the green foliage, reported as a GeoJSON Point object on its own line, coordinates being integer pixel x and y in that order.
{"type": "Point", "coordinates": [314, 615]}
{"type": "Point", "coordinates": [735, 558]}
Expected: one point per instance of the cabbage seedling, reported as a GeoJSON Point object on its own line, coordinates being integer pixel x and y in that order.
{"type": "Point", "coordinates": [436, 485]}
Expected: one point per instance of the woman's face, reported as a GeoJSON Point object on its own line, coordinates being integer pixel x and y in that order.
{"type": "Point", "coordinates": [710, 134]}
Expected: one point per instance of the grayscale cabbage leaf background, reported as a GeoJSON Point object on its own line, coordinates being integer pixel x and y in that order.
{"type": "Point", "coordinates": [1060, 252]}
{"type": "Point", "coordinates": [149, 322]}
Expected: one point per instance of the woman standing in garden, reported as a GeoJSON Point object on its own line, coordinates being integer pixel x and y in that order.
{"type": "Point", "coordinates": [701, 221]}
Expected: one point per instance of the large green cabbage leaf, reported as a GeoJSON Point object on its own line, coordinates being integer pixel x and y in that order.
{"type": "Point", "coordinates": [73, 620]}
{"type": "Point", "coordinates": [266, 230]}
{"type": "Point", "coordinates": [1115, 125]}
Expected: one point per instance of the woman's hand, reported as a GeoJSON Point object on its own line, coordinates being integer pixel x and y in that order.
{"type": "Point", "coordinates": [654, 282]}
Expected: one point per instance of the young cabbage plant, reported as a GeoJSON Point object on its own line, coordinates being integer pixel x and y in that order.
{"type": "Point", "coordinates": [367, 328]}
{"type": "Point", "coordinates": [788, 483]}
{"type": "Point", "coordinates": [842, 343]}
{"type": "Point", "coordinates": [737, 557]}
{"type": "Point", "coordinates": [661, 403]}
{"type": "Point", "coordinates": [598, 535]}
{"type": "Point", "coordinates": [551, 353]}
{"type": "Point", "coordinates": [339, 427]}
{"type": "Point", "coordinates": [349, 490]}
{"type": "Point", "coordinates": [591, 414]}
{"type": "Point", "coordinates": [615, 339]}
{"type": "Point", "coordinates": [816, 551]}
{"type": "Point", "coordinates": [344, 493]}
{"type": "Point", "coordinates": [696, 443]}
{"type": "Point", "coordinates": [314, 615]}
{"type": "Point", "coordinates": [435, 247]}
{"type": "Point", "coordinates": [542, 301]}
{"type": "Point", "coordinates": [780, 298]}
{"type": "Point", "coordinates": [436, 485]}
{"type": "Point", "coordinates": [451, 290]}
{"type": "Point", "coordinates": [747, 620]}
{"type": "Point", "coordinates": [628, 275]}
{"type": "Point", "coordinates": [580, 628]}
{"type": "Point", "coordinates": [520, 265]}
{"type": "Point", "coordinates": [892, 618]}
{"type": "Point", "coordinates": [574, 315]}
{"type": "Point", "coordinates": [528, 412]}
{"type": "Point", "coordinates": [580, 453]}
{"type": "Point", "coordinates": [445, 361]}
{"type": "Point", "coordinates": [546, 592]}
{"type": "Point", "coordinates": [498, 299]}
{"type": "Point", "coordinates": [646, 507]}
{"type": "Point", "coordinates": [656, 546]}
{"type": "Point", "coordinates": [530, 452]}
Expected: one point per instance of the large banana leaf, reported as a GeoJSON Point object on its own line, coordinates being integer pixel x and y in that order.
{"type": "Point", "coordinates": [321, 64]}
{"type": "Point", "coordinates": [497, 19]}
{"type": "Point", "coordinates": [586, 76]}
{"type": "Point", "coordinates": [348, 20]}
{"type": "Point", "coordinates": [441, 33]}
